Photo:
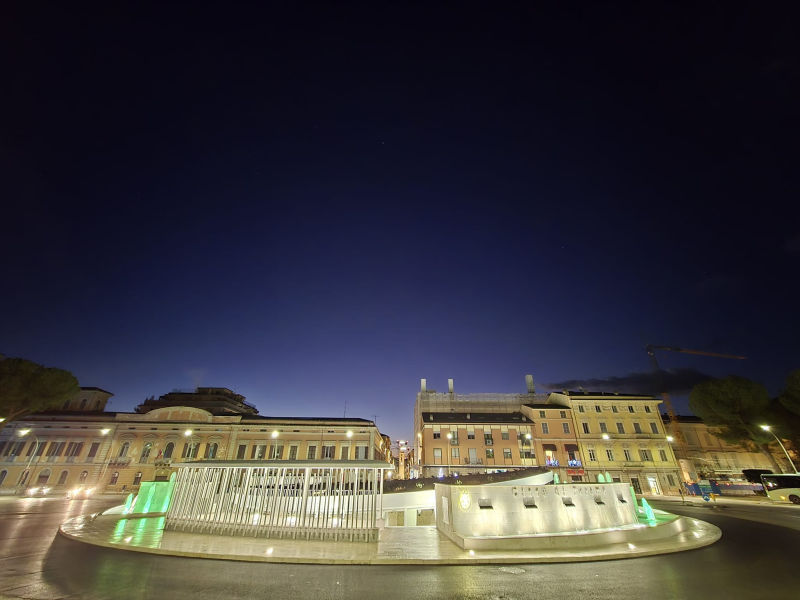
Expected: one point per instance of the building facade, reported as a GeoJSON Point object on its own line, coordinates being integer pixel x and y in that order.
{"type": "Point", "coordinates": [623, 435]}
{"type": "Point", "coordinates": [484, 433]}
{"type": "Point", "coordinates": [116, 451]}
{"type": "Point", "coordinates": [712, 458]}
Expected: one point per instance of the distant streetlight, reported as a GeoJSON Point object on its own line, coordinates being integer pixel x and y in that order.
{"type": "Point", "coordinates": [274, 434]}
{"type": "Point", "coordinates": [23, 433]}
{"type": "Point", "coordinates": [449, 451]}
{"type": "Point", "coordinates": [789, 458]}
{"type": "Point", "coordinates": [605, 436]}
{"type": "Point", "coordinates": [192, 445]}
{"type": "Point", "coordinates": [670, 438]}
{"type": "Point", "coordinates": [349, 434]}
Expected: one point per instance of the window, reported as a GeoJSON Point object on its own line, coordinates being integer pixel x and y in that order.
{"type": "Point", "coordinates": [563, 414]}
{"type": "Point", "coordinates": [614, 409]}
{"type": "Point", "coordinates": [620, 428]}
{"type": "Point", "coordinates": [581, 408]}
{"type": "Point", "coordinates": [123, 450]}
{"type": "Point", "coordinates": [637, 428]}
{"type": "Point", "coordinates": [328, 452]}
{"type": "Point", "coordinates": [504, 435]}
{"type": "Point", "coordinates": [312, 453]}
{"type": "Point", "coordinates": [437, 455]}
{"type": "Point", "coordinates": [97, 405]}
{"type": "Point", "coordinates": [241, 451]}
{"type": "Point", "coordinates": [454, 454]}
{"type": "Point", "coordinates": [565, 427]}
{"type": "Point", "coordinates": [137, 479]}
{"type": "Point", "coordinates": [190, 450]}
{"type": "Point", "coordinates": [437, 435]}
{"type": "Point", "coordinates": [114, 478]}
{"type": "Point", "coordinates": [545, 428]}
{"type": "Point", "coordinates": [585, 427]}
{"type": "Point", "coordinates": [645, 454]}
{"type": "Point", "coordinates": [454, 437]}
{"type": "Point", "coordinates": [43, 477]}
{"type": "Point", "coordinates": [663, 455]}
{"type": "Point", "coordinates": [344, 453]}
{"type": "Point", "coordinates": [647, 409]}
{"type": "Point", "coordinates": [83, 476]}
{"type": "Point", "coordinates": [470, 435]}
{"type": "Point", "coordinates": [507, 453]}
{"type": "Point", "coordinates": [292, 452]}
{"type": "Point", "coordinates": [62, 479]}
{"type": "Point", "coordinates": [592, 456]}
{"type": "Point", "coordinates": [211, 450]}
{"type": "Point", "coordinates": [597, 408]}
{"type": "Point", "coordinates": [146, 449]}
{"type": "Point", "coordinates": [627, 454]}
{"type": "Point", "coordinates": [654, 427]}
{"type": "Point", "coordinates": [542, 414]}
{"type": "Point", "coordinates": [603, 427]}
{"type": "Point", "coordinates": [490, 453]}
{"type": "Point", "coordinates": [609, 454]}
{"type": "Point", "coordinates": [82, 405]}
{"type": "Point", "coordinates": [670, 480]}
{"type": "Point", "coordinates": [169, 449]}
{"type": "Point", "coordinates": [65, 406]}
{"type": "Point", "coordinates": [361, 453]}
{"type": "Point", "coordinates": [487, 439]}
{"type": "Point", "coordinates": [630, 409]}
{"type": "Point", "coordinates": [276, 452]}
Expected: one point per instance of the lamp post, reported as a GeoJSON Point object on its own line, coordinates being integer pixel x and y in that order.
{"type": "Point", "coordinates": [23, 433]}
{"type": "Point", "coordinates": [189, 434]}
{"type": "Point", "coordinates": [528, 438]}
{"type": "Point", "coordinates": [789, 458]}
{"type": "Point", "coordinates": [449, 440]}
{"type": "Point", "coordinates": [106, 431]}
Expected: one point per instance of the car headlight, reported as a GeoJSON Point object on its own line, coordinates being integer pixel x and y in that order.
{"type": "Point", "coordinates": [33, 490]}
{"type": "Point", "coordinates": [45, 490]}
{"type": "Point", "coordinates": [89, 491]}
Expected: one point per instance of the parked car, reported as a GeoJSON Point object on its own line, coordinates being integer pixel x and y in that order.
{"type": "Point", "coordinates": [79, 493]}
{"type": "Point", "coordinates": [41, 490]}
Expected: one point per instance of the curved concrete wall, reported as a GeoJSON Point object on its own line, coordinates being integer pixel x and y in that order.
{"type": "Point", "coordinates": [518, 510]}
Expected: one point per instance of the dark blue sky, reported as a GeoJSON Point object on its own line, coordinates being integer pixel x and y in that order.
{"type": "Point", "coordinates": [327, 204]}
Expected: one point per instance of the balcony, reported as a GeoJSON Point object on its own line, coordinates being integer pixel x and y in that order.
{"type": "Point", "coordinates": [633, 463]}
{"type": "Point", "coordinates": [162, 462]}
{"type": "Point", "coordinates": [642, 436]}
{"type": "Point", "coordinates": [477, 461]}
{"type": "Point", "coordinates": [120, 461]}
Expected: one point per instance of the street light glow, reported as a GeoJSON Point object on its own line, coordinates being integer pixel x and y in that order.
{"type": "Point", "coordinates": [765, 427]}
{"type": "Point", "coordinates": [605, 436]}
{"type": "Point", "coordinates": [528, 436]}
{"type": "Point", "coordinates": [449, 436]}
{"type": "Point", "coordinates": [104, 431]}
{"type": "Point", "coordinates": [274, 434]}
{"type": "Point", "coordinates": [24, 431]}
{"type": "Point", "coordinates": [349, 434]}
{"type": "Point", "coordinates": [187, 433]}
{"type": "Point", "coordinates": [670, 438]}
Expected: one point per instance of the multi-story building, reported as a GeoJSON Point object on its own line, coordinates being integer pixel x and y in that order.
{"type": "Point", "coordinates": [217, 401]}
{"type": "Point", "coordinates": [713, 458]}
{"type": "Point", "coordinates": [480, 433]}
{"type": "Point", "coordinates": [89, 399]}
{"type": "Point", "coordinates": [116, 451]}
{"type": "Point", "coordinates": [623, 435]}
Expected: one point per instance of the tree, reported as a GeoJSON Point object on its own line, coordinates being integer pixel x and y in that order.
{"type": "Point", "coordinates": [27, 387]}
{"type": "Point", "coordinates": [736, 408]}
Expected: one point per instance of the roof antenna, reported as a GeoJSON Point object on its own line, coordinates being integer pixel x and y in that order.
{"type": "Point", "coordinates": [345, 409]}
{"type": "Point", "coordinates": [375, 419]}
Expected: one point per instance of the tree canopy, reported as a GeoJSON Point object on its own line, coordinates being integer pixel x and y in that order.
{"type": "Point", "coordinates": [27, 387]}
{"type": "Point", "coordinates": [736, 408]}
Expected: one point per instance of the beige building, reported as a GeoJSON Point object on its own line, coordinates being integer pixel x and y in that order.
{"type": "Point", "coordinates": [713, 458]}
{"type": "Point", "coordinates": [116, 451]}
{"type": "Point", "coordinates": [484, 433]}
{"type": "Point", "coordinates": [623, 435]}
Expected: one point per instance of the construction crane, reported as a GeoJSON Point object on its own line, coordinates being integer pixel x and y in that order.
{"type": "Point", "coordinates": [673, 418]}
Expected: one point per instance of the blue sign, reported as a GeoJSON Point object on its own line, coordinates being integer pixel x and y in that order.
{"type": "Point", "coordinates": [706, 497]}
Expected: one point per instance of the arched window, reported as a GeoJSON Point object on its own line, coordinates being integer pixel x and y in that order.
{"type": "Point", "coordinates": [82, 478]}
{"type": "Point", "coordinates": [43, 478]}
{"type": "Point", "coordinates": [3, 476]}
{"type": "Point", "coordinates": [114, 477]}
{"type": "Point", "coordinates": [97, 405]}
{"type": "Point", "coordinates": [211, 450]}
{"type": "Point", "coordinates": [137, 479]}
{"type": "Point", "coordinates": [169, 449]}
{"type": "Point", "coordinates": [146, 449]}
{"type": "Point", "coordinates": [62, 479]}
{"type": "Point", "coordinates": [66, 405]}
{"type": "Point", "coordinates": [24, 477]}
{"type": "Point", "coordinates": [123, 450]}
{"type": "Point", "coordinates": [83, 404]}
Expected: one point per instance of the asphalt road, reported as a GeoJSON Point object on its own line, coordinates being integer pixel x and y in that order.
{"type": "Point", "coordinates": [754, 559]}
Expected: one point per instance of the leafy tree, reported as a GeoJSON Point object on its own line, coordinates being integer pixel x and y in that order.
{"type": "Point", "coordinates": [736, 408]}
{"type": "Point", "coordinates": [27, 387]}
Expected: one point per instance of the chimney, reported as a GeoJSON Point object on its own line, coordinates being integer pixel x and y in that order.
{"type": "Point", "coordinates": [424, 383]}
{"type": "Point", "coordinates": [529, 382]}
{"type": "Point", "coordinates": [449, 386]}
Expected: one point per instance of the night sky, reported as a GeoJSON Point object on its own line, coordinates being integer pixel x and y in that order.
{"type": "Point", "coordinates": [326, 203]}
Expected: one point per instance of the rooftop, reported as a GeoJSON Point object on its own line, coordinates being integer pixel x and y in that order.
{"type": "Point", "coordinates": [605, 394]}
{"type": "Point", "coordinates": [472, 417]}
{"type": "Point", "coordinates": [95, 389]}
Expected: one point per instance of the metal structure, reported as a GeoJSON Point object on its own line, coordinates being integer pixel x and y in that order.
{"type": "Point", "coordinates": [673, 417]}
{"type": "Point", "coordinates": [322, 500]}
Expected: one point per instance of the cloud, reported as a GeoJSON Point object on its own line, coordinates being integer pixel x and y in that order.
{"type": "Point", "coordinates": [675, 381]}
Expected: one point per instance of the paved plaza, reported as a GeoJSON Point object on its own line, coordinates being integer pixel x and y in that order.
{"type": "Point", "coordinates": [756, 552]}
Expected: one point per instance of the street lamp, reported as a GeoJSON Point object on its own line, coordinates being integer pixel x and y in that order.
{"type": "Point", "coordinates": [23, 433]}
{"type": "Point", "coordinates": [789, 458]}
{"type": "Point", "coordinates": [528, 438]}
{"type": "Point", "coordinates": [192, 445]}
{"type": "Point", "coordinates": [106, 431]}
{"type": "Point", "coordinates": [449, 440]}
